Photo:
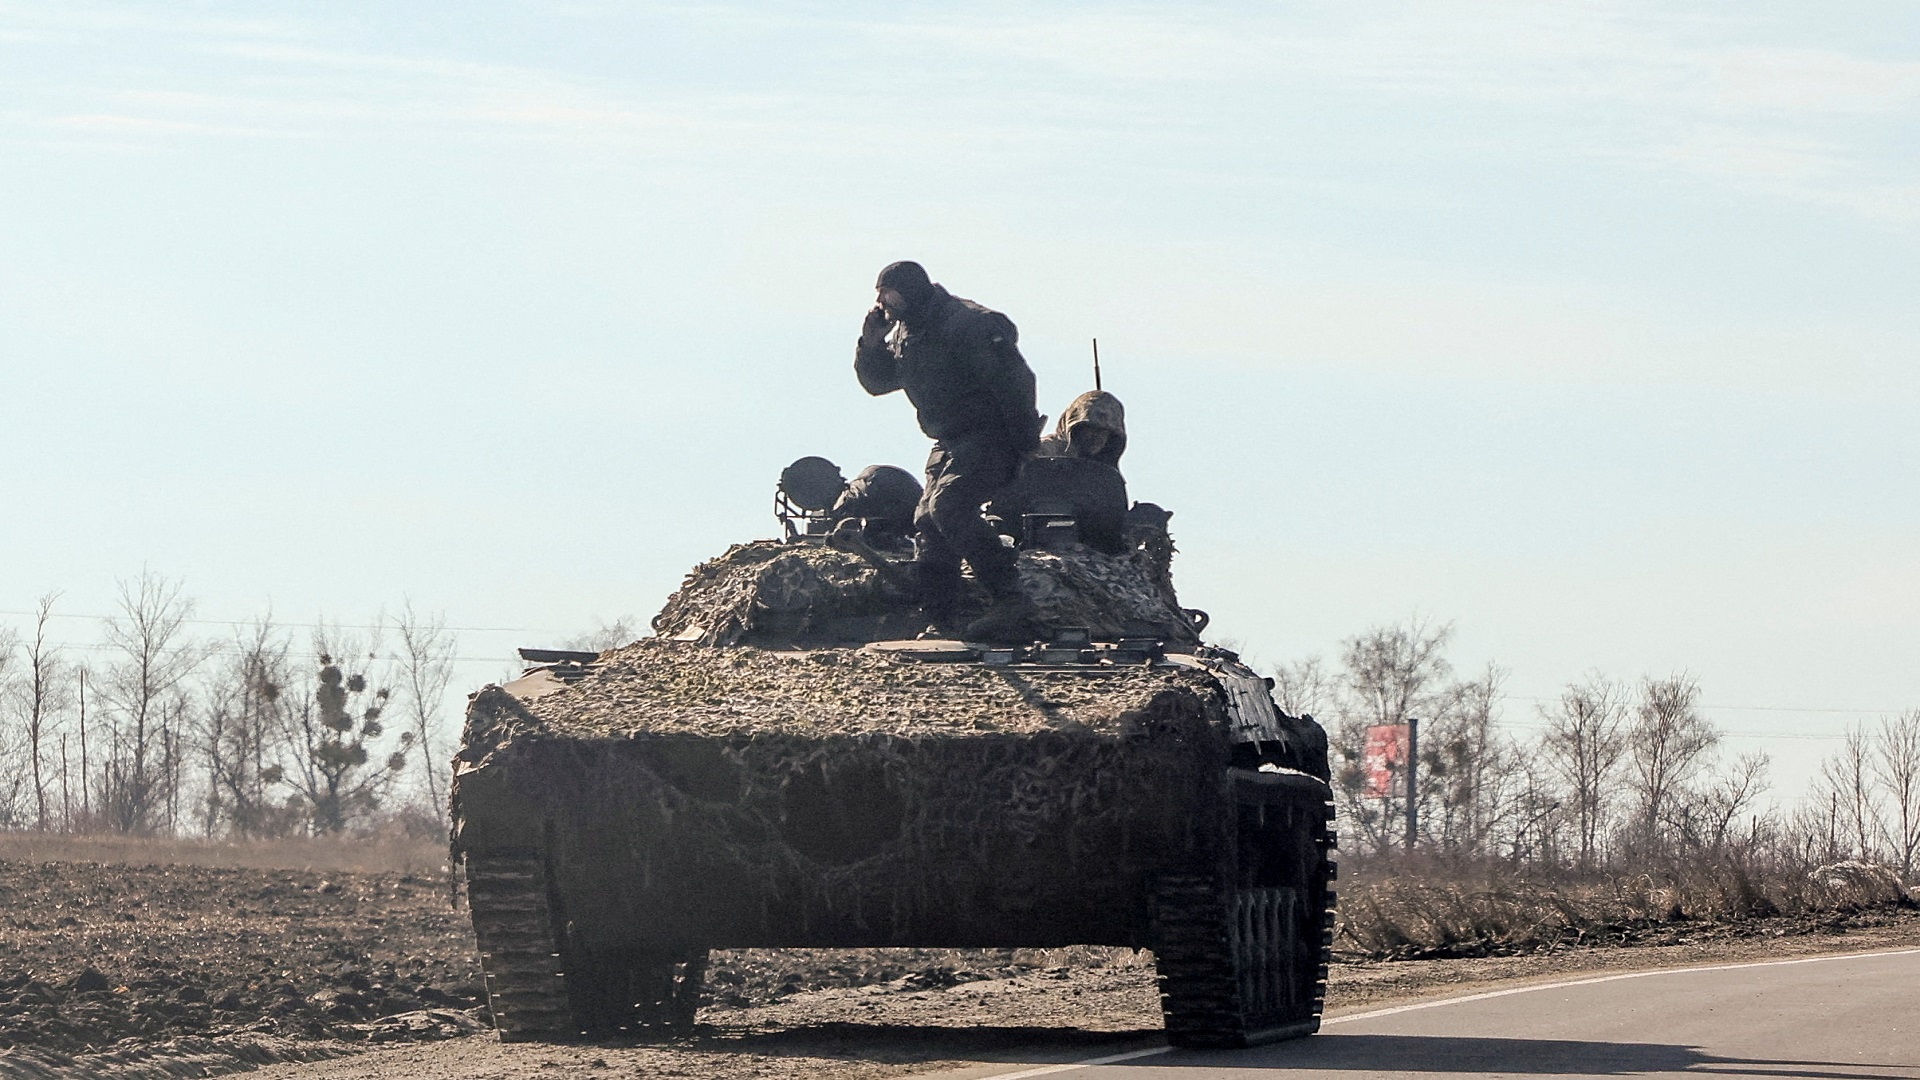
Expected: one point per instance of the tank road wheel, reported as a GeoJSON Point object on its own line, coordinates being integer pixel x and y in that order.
{"type": "Point", "coordinates": [513, 923]}
{"type": "Point", "coordinates": [670, 991]}
{"type": "Point", "coordinates": [641, 992]}
{"type": "Point", "coordinates": [1242, 952]}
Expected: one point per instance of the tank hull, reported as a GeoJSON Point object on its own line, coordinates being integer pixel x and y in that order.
{"type": "Point", "coordinates": [672, 844]}
{"type": "Point", "coordinates": [748, 779]}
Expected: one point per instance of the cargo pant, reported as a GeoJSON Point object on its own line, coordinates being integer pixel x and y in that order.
{"type": "Point", "coordinates": [962, 474]}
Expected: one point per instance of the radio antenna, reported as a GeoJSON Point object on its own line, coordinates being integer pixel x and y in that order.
{"type": "Point", "coordinates": [1096, 363]}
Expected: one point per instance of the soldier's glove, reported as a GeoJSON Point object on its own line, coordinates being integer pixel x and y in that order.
{"type": "Point", "coordinates": [873, 332]}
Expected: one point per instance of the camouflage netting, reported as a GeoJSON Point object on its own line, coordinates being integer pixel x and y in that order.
{"type": "Point", "coordinates": [751, 777]}
{"type": "Point", "coordinates": [735, 797]}
{"type": "Point", "coordinates": [656, 687]}
{"type": "Point", "coordinates": [757, 585]}
{"type": "Point", "coordinates": [767, 591]}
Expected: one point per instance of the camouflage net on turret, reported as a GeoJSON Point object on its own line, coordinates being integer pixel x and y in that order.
{"type": "Point", "coordinates": [768, 591]}
{"type": "Point", "coordinates": [759, 585]}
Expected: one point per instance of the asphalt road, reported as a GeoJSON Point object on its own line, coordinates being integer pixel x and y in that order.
{"type": "Point", "coordinates": [1825, 1018]}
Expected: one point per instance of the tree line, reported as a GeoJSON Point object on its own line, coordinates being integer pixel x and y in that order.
{"type": "Point", "coordinates": [265, 733]}
{"type": "Point", "coordinates": [268, 733]}
{"type": "Point", "coordinates": [1616, 774]}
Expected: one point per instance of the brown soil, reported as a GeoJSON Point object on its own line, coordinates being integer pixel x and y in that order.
{"type": "Point", "coordinates": [122, 971]}
{"type": "Point", "coordinates": [97, 957]}
{"type": "Point", "coordinates": [399, 854]}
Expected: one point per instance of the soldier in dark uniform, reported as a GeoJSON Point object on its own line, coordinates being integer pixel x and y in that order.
{"type": "Point", "coordinates": [960, 365]}
{"type": "Point", "coordinates": [883, 498]}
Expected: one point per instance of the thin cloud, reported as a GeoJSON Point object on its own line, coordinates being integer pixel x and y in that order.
{"type": "Point", "coordinates": [1017, 84]}
{"type": "Point", "coordinates": [1812, 171]}
{"type": "Point", "coordinates": [1813, 81]}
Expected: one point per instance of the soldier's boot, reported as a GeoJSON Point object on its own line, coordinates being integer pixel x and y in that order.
{"type": "Point", "coordinates": [1010, 623]}
{"type": "Point", "coordinates": [1010, 618]}
{"type": "Point", "coordinates": [941, 591]}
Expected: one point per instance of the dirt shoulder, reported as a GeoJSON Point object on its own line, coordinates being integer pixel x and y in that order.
{"type": "Point", "coordinates": [1060, 1014]}
{"type": "Point", "coordinates": [339, 976]}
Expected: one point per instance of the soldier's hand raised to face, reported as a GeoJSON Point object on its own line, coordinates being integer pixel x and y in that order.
{"type": "Point", "coordinates": [874, 329]}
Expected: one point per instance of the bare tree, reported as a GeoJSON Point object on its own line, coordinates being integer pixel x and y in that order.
{"type": "Point", "coordinates": [1392, 670]}
{"type": "Point", "coordinates": [1897, 764]}
{"type": "Point", "coordinates": [13, 781]}
{"type": "Point", "coordinates": [82, 676]}
{"type": "Point", "coordinates": [176, 719]}
{"type": "Point", "coordinates": [1584, 742]}
{"type": "Point", "coordinates": [1388, 674]}
{"type": "Point", "coordinates": [153, 663]}
{"type": "Point", "coordinates": [1714, 817]}
{"type": "Point", "coordinates": [624, 630]}
{"type": "Point", "coordinates": [1303, 688]}
{"type": "Point", "coordinates": [243, 736]}
{"type": "Point", "coordinates": [1539, 815]}
{"type": "Point", "coordinates": [1466, 776]}
{"type": "Point", "coordinates": [426, 667]}
{"type": "Point", "coordinates": [335, 730]}
{"type": "Point", "coordinates": [1667, 745]}
{"type": "Point", "coordinates": [1848, 782]}
{"type": "Point", "coordinates": [41, 693]}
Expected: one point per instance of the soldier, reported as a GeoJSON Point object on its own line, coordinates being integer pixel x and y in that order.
{"type": "Point", "coordinates": [1094, 426]}
{"type": "Point", "coordinates": [960, 365]}
{"type": "Point", "coordinates": [883, 498]}
{"type": "Point", "coordinates": [1093, 430]}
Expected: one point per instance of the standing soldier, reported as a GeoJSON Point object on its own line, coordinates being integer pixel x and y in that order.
{"type": "Point", "coordinates": [974, 394]}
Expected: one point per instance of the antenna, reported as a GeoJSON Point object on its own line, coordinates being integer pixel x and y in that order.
{"type": "Point", "coordinates": [1096, 363]}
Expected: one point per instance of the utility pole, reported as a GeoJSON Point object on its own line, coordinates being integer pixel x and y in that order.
{"type": "Point", "coordinates": [1413, 782]}
{"type": "Point", "coordinates": [86, 799]}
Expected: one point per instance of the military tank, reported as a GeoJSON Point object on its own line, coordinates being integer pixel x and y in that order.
{"type": "Point", "coordinates": [785, 763]}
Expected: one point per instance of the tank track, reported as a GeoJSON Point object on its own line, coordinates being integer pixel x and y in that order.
{"type": "Point", "coordinates": [519, 949]}
{"type": "Point", "coordinates": [539, 989]}
{"type": "Point", "coordinates": [1243, 964]}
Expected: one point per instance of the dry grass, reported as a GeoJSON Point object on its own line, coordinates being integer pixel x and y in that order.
{"type": "Point", "coordinates": [377, 854]}
{"type": "Point", "coordinates": [1428, 907]}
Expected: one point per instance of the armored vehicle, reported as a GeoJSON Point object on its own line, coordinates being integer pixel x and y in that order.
{"type": "Point", "coordinates": [784, 763]}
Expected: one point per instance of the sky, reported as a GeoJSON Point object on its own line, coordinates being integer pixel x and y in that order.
{"type": "Point", "coordinates": [1586, 327]}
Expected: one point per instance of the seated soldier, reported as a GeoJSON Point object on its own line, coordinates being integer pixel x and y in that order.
{"type": "Point", "coordinates": [1075, 476]}
{"type": "Point", "coordinates": [883, 497]}
{"type": "Point", "coordinates": [1094, 426]}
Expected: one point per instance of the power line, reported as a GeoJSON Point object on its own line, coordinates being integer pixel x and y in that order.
{"type": "Point", "coordinates": [1735, 734]}
{"type": "Point", "coordinates": [1749, 708]}
{"type": "Point", "coordinates": [276, 622]}
{"type": "Point", "coordinates": [225, 649]}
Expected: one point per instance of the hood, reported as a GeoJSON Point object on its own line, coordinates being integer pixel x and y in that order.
{"type": "Point", "coordinates": [1095, 409]}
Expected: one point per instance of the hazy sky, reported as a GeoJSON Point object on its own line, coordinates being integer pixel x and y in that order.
{"type": "Point", "coordinates": [1590, 327]}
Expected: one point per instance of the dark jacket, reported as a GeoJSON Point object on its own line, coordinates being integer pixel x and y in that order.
{"type": "Point", "coordinates": [960, 365]}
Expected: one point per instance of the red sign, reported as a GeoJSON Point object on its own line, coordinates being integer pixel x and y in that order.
{"type": "Point", "coordinates": [1385, 761]}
